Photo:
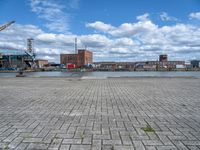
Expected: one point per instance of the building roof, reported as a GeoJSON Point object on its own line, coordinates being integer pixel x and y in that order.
{"type": "Point", "coordinates": [12, 52]}
{"type": "Point", "coordinates": [41, 60]}
{"type": "Point", "coordinates": [78, 51]}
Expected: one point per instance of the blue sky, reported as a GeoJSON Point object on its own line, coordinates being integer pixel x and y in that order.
{"type": "Point", "coordinates": [115, 30]}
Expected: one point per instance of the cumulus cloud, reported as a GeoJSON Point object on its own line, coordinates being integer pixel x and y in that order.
{"type": "Point", "coordinates": [124, 42]}
{"type": "Point", "coordinates": [195, 15]}
{"type": "Point", "coordinates": [140, 40]}
{"type": "Point", "coordinates": [133, 29]}
{"type": "Point", "coordinates": [165, 17]}
{"type": "Point", "coordinates": [98, 25]}
{"type": "Point", "coordinates": [126, 29]}
{"type": "Point", "coordinates": [95, 40]}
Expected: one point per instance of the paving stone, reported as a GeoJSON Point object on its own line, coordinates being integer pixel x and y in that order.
{"type": "Point", "coordinates": [38, 146]}
{"type": "Point", "coordinates": [193, 147]}
{"type": "Point", "coordinates": [64, 147]}
{"type": "Point", "coordinates": [33, 140]}
{"type": "Point", "coordinates": [150, 147]}
{"type": "Point", "coordinates": [152, 142]}
{"type": "Point", "coordinates": [124, 148]}
{"type": "Point", "coordinates": [58, 113]}
{"type": "Point", "coordinates": [191, 142]}
{"type": "Point", "coordinates": [80, 147]}
{"type": "Point", "coordinates": [138, 145]}
{"type": "Point", "coordinates": [21, 146]}
{"type": "Point", "coordinates": [3, 145]}
{"type": "Point", "coordinates": [180, 145]}
{"type": "Point", "coordinates": [15, 142]}
{"type": "Point", "coordinates": [72, 141]}
{"type": "Point", "coordinates": [55, 144]}
{"type": "Point", "coordinates": [167, 148]}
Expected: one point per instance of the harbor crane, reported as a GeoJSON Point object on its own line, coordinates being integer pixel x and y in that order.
{"type": "Point", "coordinates": [6, 25]}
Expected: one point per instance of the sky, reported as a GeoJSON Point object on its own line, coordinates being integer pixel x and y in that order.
{"type": "Point", "coordinates": [114, 30]}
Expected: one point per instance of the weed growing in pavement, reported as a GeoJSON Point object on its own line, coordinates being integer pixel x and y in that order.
{"type": "Point", "coordinates": [148, 128]}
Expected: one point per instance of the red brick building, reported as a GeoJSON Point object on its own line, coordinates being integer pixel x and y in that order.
{"type": "Point", "coordinates": [163, 58]}
{"type": "Point", "coordinates": [83, 58]}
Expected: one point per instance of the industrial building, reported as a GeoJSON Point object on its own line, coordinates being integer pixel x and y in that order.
{"type": "Point", "coordinates": [80, 60]}
{"type": "Point", "coordinates": [162, 64]}
{"type": "Point", "coordinates": [163, 58]}
{"type": "Point", "coordinates": [41, 63]}
{"type": "Point", "coordinates": [195, 63]}
{"type": "Point", "coordinates": [114, 66]}
{"type": "Point", "coordinates": [13, 59]}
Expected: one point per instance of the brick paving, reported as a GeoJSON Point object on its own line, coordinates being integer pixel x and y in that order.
{"type": "Point", "coordinates": [99, 114]}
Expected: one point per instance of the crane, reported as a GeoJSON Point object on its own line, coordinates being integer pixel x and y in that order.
{"type": "Point", "coordinates": [6, 25]}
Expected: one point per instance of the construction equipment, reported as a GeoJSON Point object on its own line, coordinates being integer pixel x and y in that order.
{"type": "Point", "coordinates": [20, 61]}
{"type": "Point", "coordinates": [6, 25]}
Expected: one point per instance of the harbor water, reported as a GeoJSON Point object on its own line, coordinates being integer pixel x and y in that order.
{"type": "Point", "coordinates": [106, 74]}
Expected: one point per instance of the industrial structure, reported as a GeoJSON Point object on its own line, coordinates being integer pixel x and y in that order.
{"type": "Point", "coordinates": [41, 63]}
{"type": "Point", "coordinates": [6, 25]}
{"type": "Point", "coordinates": [161, 64]}
{"type": "Point", "coordinates": [14, 59]}
{"type": "Point", "coordinates": [163, 58]}
{"type": "Point", "coordinates": [195, 63]}
{"type": "Point", "coordinates": [80, 60]}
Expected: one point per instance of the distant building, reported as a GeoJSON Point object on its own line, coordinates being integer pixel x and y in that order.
{"type": "Point", "coordinates": [41, 63]}
{"type": "Point", "coordinates": [188, 64]}
{"type": "Point", "coordinates": [195, 63]}
{"type": "Point", "coordinates": [83, 58]}
{"type": "Point", "coordinates": [165, 64]}
{"type": "Point", "coordinates": [15, 59]}
{"type": "Point", "coordinates": [163, 58]}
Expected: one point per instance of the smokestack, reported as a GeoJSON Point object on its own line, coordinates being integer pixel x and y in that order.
{"type": "Point", "coordinates": [76, 50]}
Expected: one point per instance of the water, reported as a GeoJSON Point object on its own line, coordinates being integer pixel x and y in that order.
{"type": "Point", "coordinates": [106, 74]}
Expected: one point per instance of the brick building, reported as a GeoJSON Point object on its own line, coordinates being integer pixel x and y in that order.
{"type": "Point", "coordinates": [163, 58]}
{"type": "Point", "coordinates": [41, 63]}
{"type": "Point", "coordinates": [83, 58]}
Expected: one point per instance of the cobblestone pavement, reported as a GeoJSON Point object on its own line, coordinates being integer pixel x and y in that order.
{"type": "Point", "coordinates": [103, 114]}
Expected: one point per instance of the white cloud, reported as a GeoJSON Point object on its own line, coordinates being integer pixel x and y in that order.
{"type": "Point", "coordinates": [140, 40]}
{"type": "Point", "coordinates": [143, 18]}
{"type": "Point", "coordinates": [195, 15]}
{"type": "Point", "coordinates": [165, 17]}
{"type": "Point", "coordinates": [48, 58]}
{"type": "Point", "coordinates": [133, 29]}
{"type": "Point", "coordinates": [124, 42]}
{"type": "Point", "coordinates": [98, 25]}
{"type": "Point", "coordinates": [126, 29]}
{"type": "Point", "coordinates": [95, 40]}
{"type": "Point", "coordinates": [53, 13]}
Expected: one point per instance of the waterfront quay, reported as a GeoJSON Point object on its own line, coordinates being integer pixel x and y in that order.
{"type": "Point", "coordinates": [99, 114]}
